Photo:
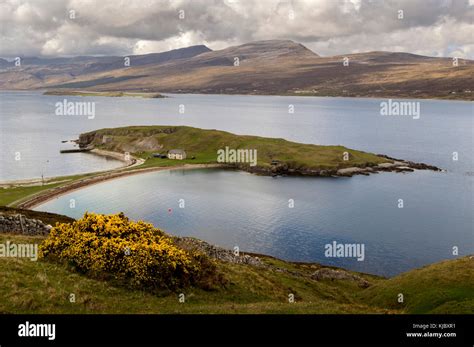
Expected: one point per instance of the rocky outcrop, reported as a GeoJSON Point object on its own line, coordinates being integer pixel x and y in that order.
{"type": "Point", "coordinates": [229, 256]}
{"type": "Point", "coordinates": [411, 164]}
{"type": "Point", "coordinates": [395, 165]}
{"type": "Point", "coordinates": [19, 224]}
{"type": "Point", "coordinates": [216, 252]}
{"type": "Point", "coordinates": [332, 274]}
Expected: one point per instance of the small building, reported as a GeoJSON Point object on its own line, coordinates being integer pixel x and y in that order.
{"type": "Point", "coordinates": [178, 154]}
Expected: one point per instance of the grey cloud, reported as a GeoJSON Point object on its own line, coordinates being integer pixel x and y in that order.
{"type": "Point", "coordinates": [111, 27]}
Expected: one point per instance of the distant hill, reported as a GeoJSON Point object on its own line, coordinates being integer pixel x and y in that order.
{"type": "Point", "coordinates": [279, 67]}
{"type": "Point", "coordinates": [146, 59]}
{"type": "Point", "coordinates": [5, 63]}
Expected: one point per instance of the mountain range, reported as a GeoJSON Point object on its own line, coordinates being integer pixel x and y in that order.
{"type": "Point", "coordinates": [272, 67]}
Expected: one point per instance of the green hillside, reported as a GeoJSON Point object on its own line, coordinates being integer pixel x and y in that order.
{"type": "Point", "coordinates": [203, 145]}
{"type": "Point", "coordinates": [44, 286]}
{"type": "Point", "coordinates": [444, 287]}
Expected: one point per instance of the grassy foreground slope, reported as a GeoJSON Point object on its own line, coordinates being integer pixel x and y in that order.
{"type": "Point", "coordinates": [444, 287]}
{"type": "Point", "coordinates": [203, 145]}
{"type": "Point", "coordinates": [44, 287]}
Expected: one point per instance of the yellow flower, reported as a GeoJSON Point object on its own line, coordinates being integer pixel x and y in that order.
{"type": "Point", "coordinates": [113, 244]}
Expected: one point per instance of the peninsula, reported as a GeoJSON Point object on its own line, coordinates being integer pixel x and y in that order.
{"type": "Point", "coordinates": [146, 148]}
{"type": "Point", "coordinates": [260, 155]}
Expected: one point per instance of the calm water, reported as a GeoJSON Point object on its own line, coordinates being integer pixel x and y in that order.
{"type": "Point", "coordinates": [239, 209]}
{"type": "Point", "coordinates": [29, 125]}
{"type": "Point", "coordinates": [232, 208]}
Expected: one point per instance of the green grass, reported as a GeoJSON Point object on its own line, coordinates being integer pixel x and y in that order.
{"type": "Point", "coordinates": [445, 287]}
{"type": "Point", "coordinates": [9, 195]}
{"type": "Point", "coordinates": [44, 287]}
{"type": "Point", "coordinates": [12, 195]}
{"type": "Point", "coordinates": [204, 144]}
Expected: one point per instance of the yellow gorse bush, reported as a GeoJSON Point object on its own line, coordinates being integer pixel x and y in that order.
{"type": "Point", "coordinates": [135, 251]}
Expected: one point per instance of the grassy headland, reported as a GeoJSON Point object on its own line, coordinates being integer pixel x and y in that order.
{"type": "Point", "coordinates": [203, 145]}
{"type": "Point", "coordinates": [109, 93]}
{"type": "Point", "coordinates": [272, 157]}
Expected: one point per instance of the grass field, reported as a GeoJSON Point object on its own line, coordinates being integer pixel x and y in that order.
{"type": "Point", "coordinates": [9, 195]}
{"type": "Point", "coordinates": [444, 287]}
{"type": "Point", "coordinates": [45, 287]}
{"type": "Point", "coordinates": [16, 193]}
{"type": "Point", "coordinates": [203, 145]}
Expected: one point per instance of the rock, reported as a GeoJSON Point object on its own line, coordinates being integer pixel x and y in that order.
{"type": "Point", "coordinates": [331, 274]}
{"type": "Point", "coordinates": [13, 224]}
{"type": "Point", "coordinates": [385, 166]}
{"type": "Point", "coordinates": [217, 252]}
{"type": "Point", "coordinates": [350, 171]}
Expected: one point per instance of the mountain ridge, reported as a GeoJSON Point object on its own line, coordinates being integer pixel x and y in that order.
{"type": "Point", "coordinates": [268, 67]}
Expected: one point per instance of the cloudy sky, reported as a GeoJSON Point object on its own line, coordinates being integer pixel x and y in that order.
{"type": "Point", "coordinates": [328, 27]}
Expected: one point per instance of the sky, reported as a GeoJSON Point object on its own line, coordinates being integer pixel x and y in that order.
{"type": "Point", "coordinates": [54, 28]}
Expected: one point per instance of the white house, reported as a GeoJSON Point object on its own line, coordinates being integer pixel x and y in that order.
{"type": "Point", "coordinates": [178, 154]}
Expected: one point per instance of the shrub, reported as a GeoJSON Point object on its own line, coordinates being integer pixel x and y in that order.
{"type": "Point", "coordinates": [134, 251]}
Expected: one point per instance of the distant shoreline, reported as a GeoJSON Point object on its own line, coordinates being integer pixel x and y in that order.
{"type": "Point", "coordinates": [43, 91]}
{"type": "Point", "coordinates": [113, 94]}
{"type": "Point", "coordinates": [156, 95]}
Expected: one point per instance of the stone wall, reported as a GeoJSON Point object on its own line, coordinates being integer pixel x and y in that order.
{"type": "Point", "coordinates": [19, 224]}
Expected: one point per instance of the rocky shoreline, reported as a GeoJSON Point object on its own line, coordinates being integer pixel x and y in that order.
{"type": "Point", "coordinates": [396, 165]}
{"type": "Point", "coordinates": [228, 256]}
